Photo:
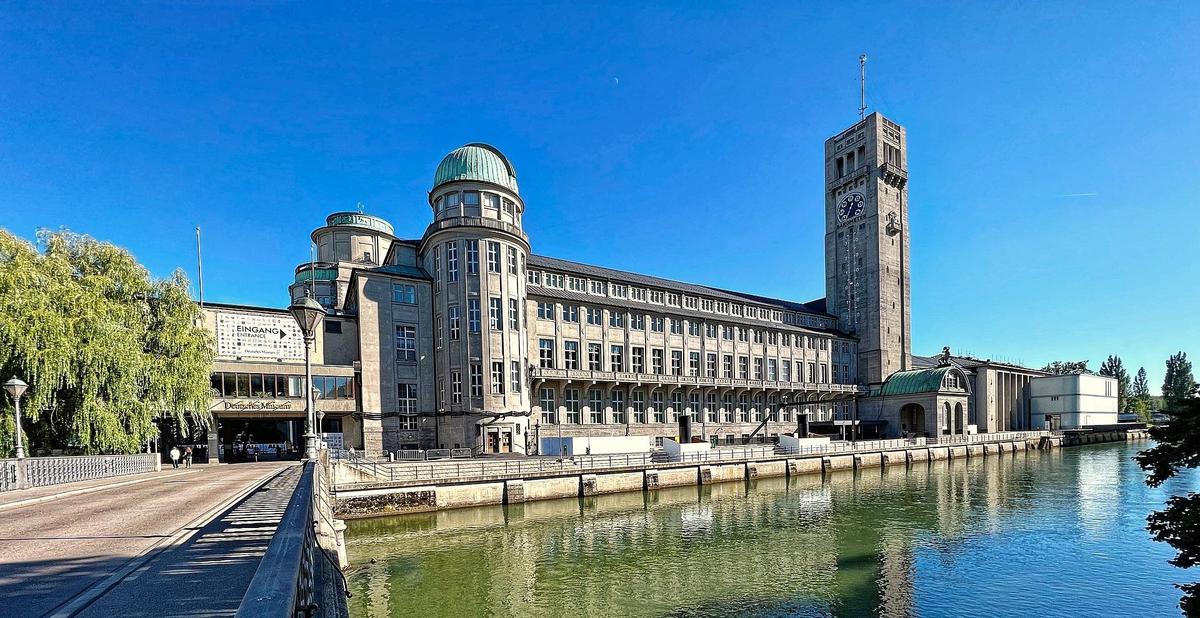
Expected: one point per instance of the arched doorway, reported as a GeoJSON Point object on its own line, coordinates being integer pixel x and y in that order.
{"type": "Point", "coordinates": [947, 421]}
{"type": "Point", "coordinates": [912, 420]}
{"type": "Point", "coordinates": [960, 416]}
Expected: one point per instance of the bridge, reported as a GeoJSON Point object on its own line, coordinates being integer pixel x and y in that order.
{"type": "Point", "coordinates": [255, 539]}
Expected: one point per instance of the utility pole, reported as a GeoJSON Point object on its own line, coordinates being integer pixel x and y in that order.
{"type": "Point", "coordinates": [199, 267]}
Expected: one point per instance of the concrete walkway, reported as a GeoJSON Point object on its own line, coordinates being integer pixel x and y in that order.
{"type": "Point", "coordinates": [172, 544]}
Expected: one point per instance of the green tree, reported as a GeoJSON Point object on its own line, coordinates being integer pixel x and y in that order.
{"type": "Point", "coordinates": [1140, 400]}
{"type": "Point", "coordinates": [103, 346]}
{"type": "Point", "coordinates": [1114, 368]}
{"type": "Point", "coordinates": [1067, 367]}
{"type": "Point", "coordinates": [1177, 448]}
{"type": "Point", "coordinates": [1178, 385]}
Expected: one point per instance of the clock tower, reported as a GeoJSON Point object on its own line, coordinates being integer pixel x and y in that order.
{"type": "Point", "coordinates": [866, 243]}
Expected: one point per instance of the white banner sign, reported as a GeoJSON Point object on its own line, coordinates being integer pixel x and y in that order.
{"type": "Point", "coordinates": [256, 336]}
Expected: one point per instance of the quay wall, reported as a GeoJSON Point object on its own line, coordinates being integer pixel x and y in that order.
{"type": "Point", "coordinates": [356, 500]}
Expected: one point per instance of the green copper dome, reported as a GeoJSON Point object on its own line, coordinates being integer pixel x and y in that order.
{"type": "Point", "coordinates": [476, 162]}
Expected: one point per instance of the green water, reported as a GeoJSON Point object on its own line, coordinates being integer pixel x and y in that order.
{"type": "Point", "coordinates": [1048, 533]}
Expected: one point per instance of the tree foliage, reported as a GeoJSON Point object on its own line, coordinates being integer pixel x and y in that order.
{"type": "Point", "coordinates": [1179, 385]}
{"type": "Point", "coordinates": [1140, 398]}
{"type": "Point", "coordinates": [1067, 367]}
{"type": "Point", "coordinates": [1114, 368]}
{"type": "Point", "coordinates": [104, 347]}
{"type": "Point", "coordinates": [1178, 525]}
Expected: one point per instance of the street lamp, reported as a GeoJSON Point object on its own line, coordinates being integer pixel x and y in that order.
{"type": "Point", "coordinates": [308, 314]}
{"type": "Point", "coordinates": [16, 388]}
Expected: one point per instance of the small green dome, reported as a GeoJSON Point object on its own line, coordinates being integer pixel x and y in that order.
{"type": "Point", "coordinates": [476, 162]}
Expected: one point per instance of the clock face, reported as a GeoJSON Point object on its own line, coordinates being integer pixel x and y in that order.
{"type": "Point", "coordinates": [851, 206]}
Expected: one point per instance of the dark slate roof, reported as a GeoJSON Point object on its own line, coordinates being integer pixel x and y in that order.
{"type": "Point", "coordinates": [970, 363]}
{"type": "Point", "coordinates": [414, 272]}
{"type": "Point", "coordinates": [816, 307]}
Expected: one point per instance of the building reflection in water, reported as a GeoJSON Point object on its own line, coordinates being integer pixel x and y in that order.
{"type": "Point", "coordinates": [845, 544]}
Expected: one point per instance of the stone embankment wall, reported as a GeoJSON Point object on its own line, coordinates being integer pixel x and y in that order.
{"type": "Point", "coordinates": [377, 501]}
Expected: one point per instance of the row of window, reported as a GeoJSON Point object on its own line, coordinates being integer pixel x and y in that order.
{"type": "Point", "coordinates": [475, 381]}
{"type": "Point", "coordinates": [496, 320]}
{"type": "Point", "coordinates": [594, 316]}
{"type": "Point", "coordinates": [709, 365]}
{"type": "Point", "coordinates": [673, 299]}
{"type": "Point", "coordinates": [497, 260]}
{"type": "Point", "coordinates": [271, 386]}
{"type": "Point", "coordinates": [654, 407]}
{"type": "Point", "coordinates": [492, 203]}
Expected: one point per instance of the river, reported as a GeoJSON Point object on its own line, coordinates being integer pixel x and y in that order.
{"type": "Point", "coordinates": [1058, 532]}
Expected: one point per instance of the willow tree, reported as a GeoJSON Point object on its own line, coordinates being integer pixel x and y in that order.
{"type": "Point", "coordinates": [104, 347]}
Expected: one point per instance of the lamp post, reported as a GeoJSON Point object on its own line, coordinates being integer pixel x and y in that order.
{"type": "Point", "coordinates": [308, 314]}
{"type": "Point", "coordinates": [16, 388]}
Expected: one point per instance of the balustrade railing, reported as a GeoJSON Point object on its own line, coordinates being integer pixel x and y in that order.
{"type": "Point", "coordinates": [283, 585]}
{"type": "Point", "coordinates": [43, 471]}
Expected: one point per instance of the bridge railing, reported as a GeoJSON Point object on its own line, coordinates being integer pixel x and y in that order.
{"type": "Point", "coordinates": [43, 471]}
{"type": "Point", "coordinates": [283, 586]}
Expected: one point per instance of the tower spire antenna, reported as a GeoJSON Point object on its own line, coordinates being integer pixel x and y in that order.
{"type": "Point", "coordinates": [862, 86]}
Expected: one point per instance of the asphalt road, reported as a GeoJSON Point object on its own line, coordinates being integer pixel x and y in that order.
{"type": "Point", "coordinates": [61, 550]}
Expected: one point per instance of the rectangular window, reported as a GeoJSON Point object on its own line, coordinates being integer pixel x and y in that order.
{"type": "Point", "coordinates": [437, 266]}
{"type": "Point", "coordinates": [496, 313]}
{"type": "Point", "coordinates": [570, 313]}
{"type": "Point", "coordinates": [452, 261]}
{"type": "Point", "coordinates": [491, 201]}
{"type": "Point", "coordinates": [497, 378]}
{"type": "Point", "coordinates": [493, 256]}
{"type": "Point", "coordinates": [710, 365]}
{"type": "Point", "coordinates": [406, 344]}
{"type": "Point", "coordinates": [694, 364]}
{"type": "Point", "coordinates": [638, 356]}
{"type": "Point", "coordinates": [545, 311]}
{"type": "Point", "coordinates": [406, 396]}
{"type": "Point", "coordinates": [710, 331]}
{"type": "Point", "coordinates": [772, 369]}
{"type": "Point", "coordinates": [693, 409]}
{"type": "Point", "coordinates": [694, 328]}
{"type": "Point", "coordinates": [512, 261]}
{"type": "Point", "coordinates": [456, 386]}
{"type": "Point", "coordinates": [595, 363]}
{"type": "Point", "coordinates": [676, 363]}
{"type": "Point", "coordinates": [476, 380]}
{"type": "Point", "coordinates": [514, 372]}
{"type": "Point", "coordinates": [472, 257]}
{"type": "Point", "coordinates": [571, 355]}
{"type": "Point", "coordinates": [404, 294]}
{"type": "Point", "coordinates": [656, 361]}
{"type": "Point", "coordinates": [514, 316]}
{"type": "Point", "coordinates": [618, 404]}
{"type": "Point", "coordinates": [473, 314]}
{"type": "Point", "coordinates": [470, 198]}
{"type": "Point", "coordinates": [546, 402]}
{"type": "Point", "coordinates": [638, 402]}
{"type": "Point", "coordinates": [677, 403]}
{"type": "Point", "coordinates": [616, 319]}
{"type": "Point", "coordinates": [594, 316]}
{"type": "Point", "coordinates": [637, 321]}
{"type": "Point", "coordinates": [786, 373]}
{"type": "Point", "coordinates": [824, 373]}
{"type": "Point", "coordinates": [546, 353]}
{"type": "Point", "coordinates": [744, 367]}
{"type": "Point", "coordinates": [656, 324]}
{"type": "Point", "coordinates": [676, 327]}
{"type": "Point", "coordinates": [595, 406]}
{"type": "Point", "coordinates": [812, 373]}
{"type": "Point", "coordinates": [727, 366]}
{"type": "Point", "coordinates": [616, 358]}
{"type": "Point", "coordinates": [710, 407]}
{"type": "Point", "coordinates": [758, 368]}
{"type": "Point", "coordinates": [452, 316]}
{"type": "Point", "coordinates": [572, 405]}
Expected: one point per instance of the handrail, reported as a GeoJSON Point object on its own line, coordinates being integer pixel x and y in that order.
{"type": "Point", "coordinates": [283, 583]}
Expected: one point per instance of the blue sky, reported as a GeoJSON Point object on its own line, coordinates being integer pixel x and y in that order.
{"type": "Point", "coordinates": [1052, 146]}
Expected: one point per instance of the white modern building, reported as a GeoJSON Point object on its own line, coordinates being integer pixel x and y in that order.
{"type": "Point", "coordinates": [1073, 401]}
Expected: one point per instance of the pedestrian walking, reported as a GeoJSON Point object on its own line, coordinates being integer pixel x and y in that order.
{"type": "Point", "coordinates": [174, 456]}
{"type": "Point", "coordinates": [187, 457]}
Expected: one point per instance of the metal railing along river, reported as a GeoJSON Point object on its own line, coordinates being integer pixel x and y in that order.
{"type": "Point", "coordinates": [43, 471]}
{"type": "Point", "coordinates": [462, 470]}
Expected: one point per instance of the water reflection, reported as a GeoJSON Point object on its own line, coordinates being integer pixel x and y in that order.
{"type": "Point", "coordinates": [1019, 533]}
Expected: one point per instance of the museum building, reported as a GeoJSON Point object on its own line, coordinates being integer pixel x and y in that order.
{"type": "Point", "coordinates": [464, 338]}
